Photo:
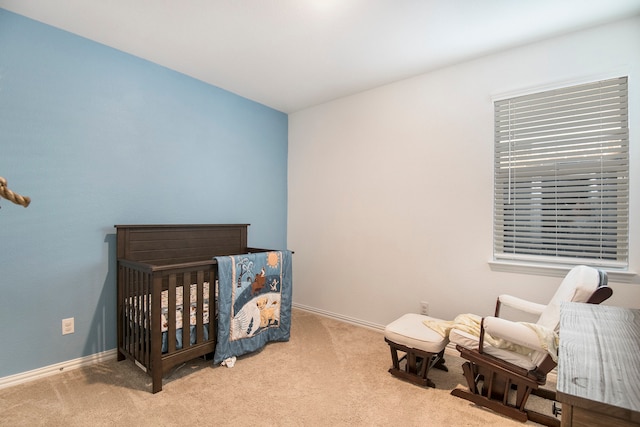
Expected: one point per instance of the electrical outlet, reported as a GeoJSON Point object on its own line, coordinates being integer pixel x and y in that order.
{"type": "Point", "coordinates": [424, 308]}
{"type": "Point", "coordinates": [67, 326]}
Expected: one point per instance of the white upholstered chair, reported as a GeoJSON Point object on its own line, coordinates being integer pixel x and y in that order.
{"type": "Point", "coordinates": [500, 377]}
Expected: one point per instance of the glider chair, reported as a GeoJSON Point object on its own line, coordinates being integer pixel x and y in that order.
{"type": "Point", "coordinates": [508, 361]}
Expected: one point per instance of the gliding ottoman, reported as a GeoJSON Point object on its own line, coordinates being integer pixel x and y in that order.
{"type": "Point", "coordinates": [415, 348]}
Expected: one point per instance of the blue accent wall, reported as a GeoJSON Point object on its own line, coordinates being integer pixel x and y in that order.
{"type": "Point", "coordinates": [97, 137]}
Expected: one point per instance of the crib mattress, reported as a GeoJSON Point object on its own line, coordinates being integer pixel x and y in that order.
{"type": "Point", "coordinates": [193, 306]}
{"type": "Point", "coordinates": [134, 314]}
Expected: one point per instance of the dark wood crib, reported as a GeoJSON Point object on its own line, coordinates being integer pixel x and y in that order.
{"type": "Point", "coordinates": [170, 263]}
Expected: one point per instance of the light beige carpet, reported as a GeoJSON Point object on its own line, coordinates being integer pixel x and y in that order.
{"type": "Point", "coordinates": [329, 374]}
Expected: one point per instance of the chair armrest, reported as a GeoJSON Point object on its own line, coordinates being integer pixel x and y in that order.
{"type": "Point", "coordinates": [514, 332]}
{"type": "Point", "coordinates": [520, 304]}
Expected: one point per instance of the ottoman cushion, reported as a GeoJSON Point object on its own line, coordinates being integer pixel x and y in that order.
{"type": "Point", "coordinates": [409, 331]}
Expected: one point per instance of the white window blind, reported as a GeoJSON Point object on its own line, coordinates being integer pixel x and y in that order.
{"type": "Point", "coordinates": [562, 176]}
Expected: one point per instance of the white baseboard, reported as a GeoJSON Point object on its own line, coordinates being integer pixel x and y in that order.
{"type": "Point", "coordinates": [57, 368]}
{"type": "Point", "coordinates": [450, 349]}
{"type": "Point", "coordinates": [340, 317]}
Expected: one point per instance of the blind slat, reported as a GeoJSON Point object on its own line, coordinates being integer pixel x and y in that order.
{"type": "Point", "coordinates": [603, 85]}
{"type": "Point", "coordinates": [547, 107]}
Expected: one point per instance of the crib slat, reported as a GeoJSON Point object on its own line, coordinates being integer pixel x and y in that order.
{"type": "Point", "coordinates": [122, 307]}
{"type": "Point", "coordinates": [141, 323]}
{"type": "Point", "coordinates": [171, 315]}
{"type": "Point", "coordinates": [124, 295]}
{"type": "Point", "coordinates": [137, 316]}
{"type": "Point", "coordinates": [133, 312]}
{"type": "Point", "coordinates": [200, 307]}
{"type": "Point", "coordinates": [126, 304]}
{"type": "Point", "coordinates": [186, 310]}
{"type": "Point", "coordinates": [156, 335]}
{"type": "Point", "coordinates": [146, 291]}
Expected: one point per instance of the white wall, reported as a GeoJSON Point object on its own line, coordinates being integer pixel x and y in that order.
{"type": "Point", "coordinates": [390, 190]}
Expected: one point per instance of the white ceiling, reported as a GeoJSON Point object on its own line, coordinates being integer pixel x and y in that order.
{"type": "Point", "coordinates": [292, 54]}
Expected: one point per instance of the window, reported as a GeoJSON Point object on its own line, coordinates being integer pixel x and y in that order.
{"type": "Point", "coordinates": [561, 183]}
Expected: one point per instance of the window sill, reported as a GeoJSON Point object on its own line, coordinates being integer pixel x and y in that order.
{"type": "Point", "coordinates": [620, 276]}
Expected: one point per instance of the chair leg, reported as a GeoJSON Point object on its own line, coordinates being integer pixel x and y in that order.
{"type": "Point", "coordinates": [440, 362]}
{"type": "Point", "coordinates": [394, 356]}
{"type": "Point", "coordinates": [470, 377]}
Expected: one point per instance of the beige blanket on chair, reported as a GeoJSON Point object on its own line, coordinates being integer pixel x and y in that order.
{"type": "Point", "coordinates": [470, 323]}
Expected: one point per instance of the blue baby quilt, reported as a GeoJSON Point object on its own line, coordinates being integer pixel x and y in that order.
{"type": "Point", "coordinates": [254, 302]}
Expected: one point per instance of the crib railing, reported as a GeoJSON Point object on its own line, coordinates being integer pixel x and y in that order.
{"type": "Point", "coordinates": [134, 323]}
{"type": "Point", "coordinates": [140, 288]}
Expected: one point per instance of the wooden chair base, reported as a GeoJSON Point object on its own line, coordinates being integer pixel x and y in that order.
{"type": "Point", "coordinates": [415, 364]}
{"type": "Point", "coordinates": [509, 411]}
{"type": "Point", "coordinates": [502, 389]}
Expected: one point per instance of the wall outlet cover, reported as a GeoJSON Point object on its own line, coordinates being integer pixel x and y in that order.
{"type": "Point", "coordinates": [68, 326]}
